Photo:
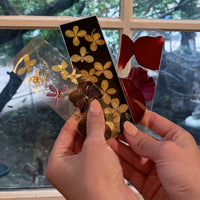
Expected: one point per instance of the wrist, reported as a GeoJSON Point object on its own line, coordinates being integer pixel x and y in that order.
{"type": "Point", "coordinates": [107, 193]}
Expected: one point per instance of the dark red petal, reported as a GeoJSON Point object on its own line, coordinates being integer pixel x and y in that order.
{"type": "Point", "coordinates": [142, 81]}
{"type": "Point", "coordinates": [62, 97]}
{"type": "Point", "coordinates": [148, 51]}
{"type": "Point", "coordinates": [52, 88]}
{"type": "Point", "coordinates": [134, 98]}
{"type": "Point", "coordinates": [126, 51]}
{"type": "Point", "coordinates": [56, 102]}
{"type": "Point", "coordinates": [51, 94]}
{"type": "Point", "coordinates": [62, 89]}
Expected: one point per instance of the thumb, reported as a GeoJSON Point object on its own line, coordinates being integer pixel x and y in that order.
{"type": "Point", "coordinates": [95, 124]}
{"type": "Point", "coordinates": [141, 143]}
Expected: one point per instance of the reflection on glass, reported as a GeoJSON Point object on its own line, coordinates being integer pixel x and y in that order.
{"type": "Point", "coordinates": [28, 126]}
{"type": "Point", "coordinates": [104, 8]}
{"type": "Point", "coordinates": [178, 90]}
{"type": "Point", "coordinates": [168, 9]}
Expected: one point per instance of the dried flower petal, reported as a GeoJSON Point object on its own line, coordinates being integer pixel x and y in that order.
{"type": "Point", "coordinates": [106, 92]}
{"type": "Point", "coordinates": [148, 51]}
{"type": "Point", "coordinates": [126, 51]}
{"type": "Point", "coordinates": [84, 94]}
{"type": "Point", "coordinates": [61, 68]}
{"type": "Point", "coordinates": [135, 99]}
{"type": "Point", "coordinates": [82, 57]}
{"type": "Point", "coordinates": [75, 34]}
{"type": "Point", "coordinates": [89, 76]}
{"type": "Point", "coordinates": [95, 40]}
{"type": "Point", "coordinates": [37, 79]}
{"type": "Point", "coordinates": [142, 81]}
{"type": "Point", "coordinates": [57, 94]}
{"type": "Point", "coordinates": [103, 69]}
{"type": "Point", "coordinates": [28, 65]}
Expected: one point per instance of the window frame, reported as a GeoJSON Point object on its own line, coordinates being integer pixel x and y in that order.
{"type": "Point", "coordinates": [125, 24]}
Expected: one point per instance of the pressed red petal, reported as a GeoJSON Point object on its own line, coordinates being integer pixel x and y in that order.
{"type": "Point", "coordinates": [126, 51]}
{"type": "Point", "coordinates": [142, 81]}
{"type": "Point", "coordinates": [134, 98]}
{"type": "Point", "coordinates": [148, 51]}
{"type": "Point", "coordinates": [62, 89]}
{"type": "Point", "coordinates": [56, 102]}
{"type": "Point", "coordinates": [52, 88]}
{"type": "Point", "coordinates": [62, 97]}
{"type": "Point", "coordinates": [51, 94]}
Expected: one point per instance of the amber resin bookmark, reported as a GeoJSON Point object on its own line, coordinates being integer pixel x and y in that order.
{"type": "Point", "coordinates": [89, 54]}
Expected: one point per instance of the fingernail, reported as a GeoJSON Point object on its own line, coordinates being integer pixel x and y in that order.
{"type": "Point", "coordinates": [95, 108]}
{"type": "Point", "coordinates": [129, 128]}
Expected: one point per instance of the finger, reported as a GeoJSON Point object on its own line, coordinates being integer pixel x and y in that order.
{"type": "Point", "coordinates": [167, 129]}
{"type": "Point", "coordinates": [66, 138]}
{"type": "Point", "coordinates": [158, 124]}
{"type": "Point", "coordinates": [142, 164]}
{"type": "Point", "coordinates": [141, 143]}
{"type": "Point", "coordinates": [95, 121]}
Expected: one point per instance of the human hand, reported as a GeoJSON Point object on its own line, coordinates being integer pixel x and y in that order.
{"type": "Point", "coordinates": [160, 170]}
{"type": "Point", "coordinates": [87, 169]}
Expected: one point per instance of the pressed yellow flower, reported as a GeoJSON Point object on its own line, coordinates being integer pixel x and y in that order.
{"type": "Point", "coordinates": [28, 65]}
{"type": "Point", "coordinates": [37, 79]}
{"type": "Point", "coordinates": [73, 76]}
{"type": "Point", "coordinates": [116, 110]}
{"type": "Point", "coordinates": [95, 40]}
{"type": "Point", "coordinates": [75, 34]}
{"type": "Point", "coordinates": [61, 68]}
{"type": "Point", "coordinates": [89, 76]}
{"type": "Point", "coordinates": [82, 57]}
{"type": "Point", "coordinates": [103, 69]}
{"type": "Point", "coordinates": [106, 91]}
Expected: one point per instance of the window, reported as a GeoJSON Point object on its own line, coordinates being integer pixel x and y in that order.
{"type": "Point", "coordinates": [19, 24]}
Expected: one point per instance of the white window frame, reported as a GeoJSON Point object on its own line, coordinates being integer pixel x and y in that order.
{"type": "Point", "coordinates": [125, 24]}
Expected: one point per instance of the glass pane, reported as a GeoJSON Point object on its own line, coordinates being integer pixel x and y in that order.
{"type": "Point", "coordinates": [29, 127]}
{"type": "Point", "coordinates": [105, 8]}
{"type": "Point", "coordinates": [178, 90]}
{"type": "Point", "coordinates": [166, 9]}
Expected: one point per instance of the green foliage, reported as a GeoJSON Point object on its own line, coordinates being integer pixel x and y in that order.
{"type": "Point", "coordinates": [169, 9]}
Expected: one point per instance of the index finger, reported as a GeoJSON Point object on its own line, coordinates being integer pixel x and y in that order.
{"type": "Point", "coordinates": [158, 124]}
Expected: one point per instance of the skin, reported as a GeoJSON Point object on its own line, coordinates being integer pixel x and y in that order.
{"type": "Point", "coordinates": [93, 168]}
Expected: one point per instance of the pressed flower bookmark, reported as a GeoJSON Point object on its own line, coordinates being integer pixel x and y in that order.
{"type": "Point", "coordinates": [49, 74]}
{"type": "Point", "coordinates": [138, 86]}
{"type": "Point", "coordinates": [89, 54]}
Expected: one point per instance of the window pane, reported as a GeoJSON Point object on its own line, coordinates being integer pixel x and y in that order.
{"type": "Point", "coordinates": [104, 8]}
{"type": "Point", "coordinates": [178, 89]}
{"type": "Point", "coordinates": [28, 126]}
{"type": "Point", "coordinates": [169, 9]}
